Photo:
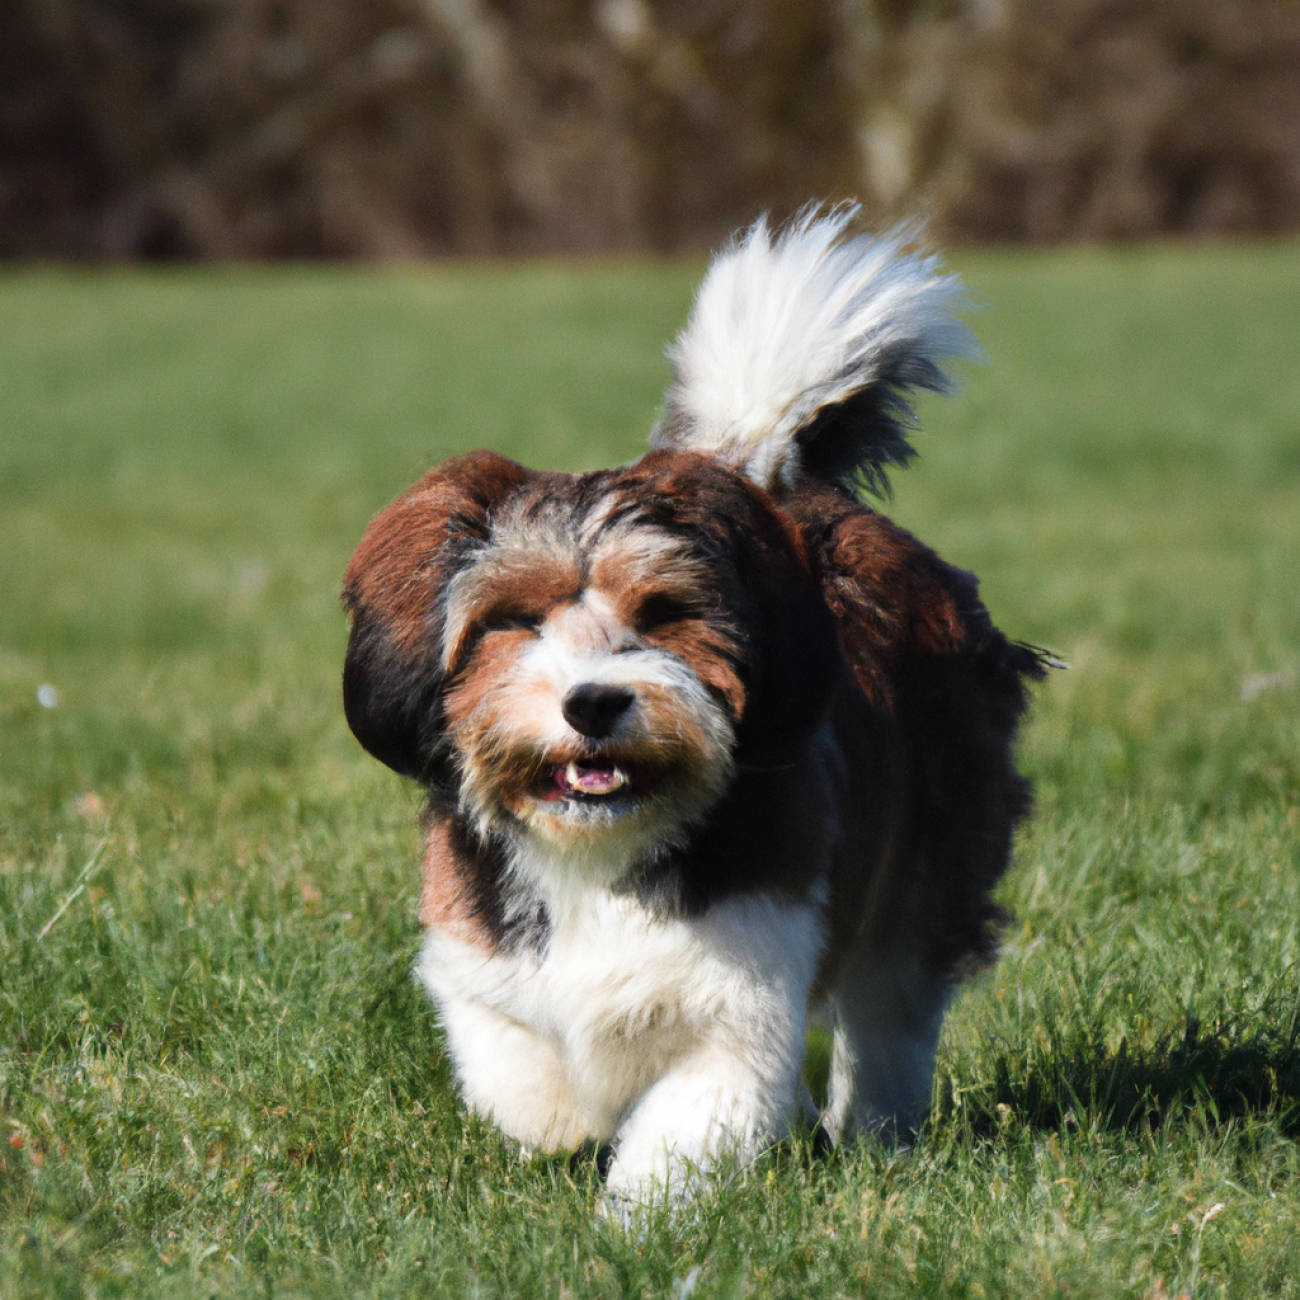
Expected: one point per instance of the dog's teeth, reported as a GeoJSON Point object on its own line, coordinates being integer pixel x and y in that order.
{"type": "Point", "coordinates": [592, 780]}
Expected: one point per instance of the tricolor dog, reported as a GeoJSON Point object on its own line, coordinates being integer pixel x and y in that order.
{"type": "Point", "coordinates": [711, 747]}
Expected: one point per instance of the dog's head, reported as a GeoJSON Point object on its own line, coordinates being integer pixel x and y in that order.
{"type": "Point", "coordinates": [590, 659]}
{"type": "Point", "coordinates": [586, 659]}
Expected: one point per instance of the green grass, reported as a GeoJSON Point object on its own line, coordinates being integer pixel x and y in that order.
{"type": "Point", "coordinates": [216, 1076]}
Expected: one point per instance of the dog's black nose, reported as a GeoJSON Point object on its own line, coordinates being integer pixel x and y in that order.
{"type": "Point", "coordinates": [594, 709]}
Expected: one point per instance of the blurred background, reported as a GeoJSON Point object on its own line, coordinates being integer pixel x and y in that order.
{"type": "Point", "coordinates": [397, 129]}
{"type": "Point", "coordinates": [217, 1077]}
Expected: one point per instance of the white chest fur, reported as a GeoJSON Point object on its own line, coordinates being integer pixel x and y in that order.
{"type": "Point", "coordinates": [625, 1015]}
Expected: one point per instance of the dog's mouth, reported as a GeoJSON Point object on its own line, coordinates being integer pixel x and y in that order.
{"type": "Point", "coordinates": [595, 781]}
{"type": "Point", "coordinates": [590, 780]}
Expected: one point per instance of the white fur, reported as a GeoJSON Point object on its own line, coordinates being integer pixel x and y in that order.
{"type": "Point", "coordinates": [679, 1039]}
{"type": "Point", "coordinates": [783, 326]}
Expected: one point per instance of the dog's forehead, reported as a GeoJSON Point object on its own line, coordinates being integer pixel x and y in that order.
{"type": "Point", "coordinates": [594, 534]}
{"type": "Point", "coordinates": [633, 555]}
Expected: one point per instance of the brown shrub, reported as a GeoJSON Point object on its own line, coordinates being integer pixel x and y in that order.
{"type": "Point", "coordinates": [404, 128]}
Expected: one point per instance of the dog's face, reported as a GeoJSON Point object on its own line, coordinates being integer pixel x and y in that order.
{"type": "Point", "coordinates": [592, 689]}
{"type": "Point", "coordinates": [584, 659]}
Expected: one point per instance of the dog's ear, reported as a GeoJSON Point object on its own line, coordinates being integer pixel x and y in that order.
{"type": "Point", "coordinates": [393, 675]}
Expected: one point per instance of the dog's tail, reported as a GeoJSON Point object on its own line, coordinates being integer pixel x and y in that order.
{"type": "Point", "coordinates": [804, 347]}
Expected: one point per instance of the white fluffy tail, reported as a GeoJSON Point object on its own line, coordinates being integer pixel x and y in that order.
{"type": "Point", "coordinates": [802, 350]}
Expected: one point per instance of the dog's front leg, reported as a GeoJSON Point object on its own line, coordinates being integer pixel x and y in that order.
{"type": "Point", "coordinates": [732, 1092]}
{"type": "Point", "coordinates": [719, 1101]}
{"type": "Point", "coordinates": [515, 1077]}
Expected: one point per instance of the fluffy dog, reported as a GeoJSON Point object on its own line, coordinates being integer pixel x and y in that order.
{"type": "Point", "coordinates": [709, 745]}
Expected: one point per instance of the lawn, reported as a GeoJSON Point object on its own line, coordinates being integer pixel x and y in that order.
{"type": "Point", "coordinates": [216, 1075]}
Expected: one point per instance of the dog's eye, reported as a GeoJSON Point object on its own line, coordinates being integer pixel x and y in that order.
{"type": "Point", "coordinates": [507, 620]}
{"type": "Point", "coordinates": [659, 610]}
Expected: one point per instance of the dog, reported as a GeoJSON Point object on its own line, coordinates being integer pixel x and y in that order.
{"type": "Point", "coordinates": [710, 746]}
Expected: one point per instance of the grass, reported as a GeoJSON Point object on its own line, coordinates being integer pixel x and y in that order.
{"type": "Point", "coordinates": [216, 1076]}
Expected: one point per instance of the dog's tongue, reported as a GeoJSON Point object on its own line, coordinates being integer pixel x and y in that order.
{"type": "Point", "coordinates": [590, 778]}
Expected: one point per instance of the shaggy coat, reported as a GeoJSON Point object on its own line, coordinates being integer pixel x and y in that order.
{"type": "Point", "coordinates": [710, 746]}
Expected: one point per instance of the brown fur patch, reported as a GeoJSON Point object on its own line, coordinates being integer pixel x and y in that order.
{"type": "Point", "coordinates": [447, 890]}
{"type": "Point", "coordinates": [635, 561]}
{"type": "Point", "coordinates": [635, 573]}
{"type": "Point", "coordinates": [710, 654]}
{"type": "Point", "coordinates": [509, 584]}
{"type": "Point", "coordinates": [496, 753]}
{"type": "Point", "coordinates": [403, 563]}
{"type": "Point", "coordinates": [946, 692]}
{"type": "Point", "coordinates": [890, 595]}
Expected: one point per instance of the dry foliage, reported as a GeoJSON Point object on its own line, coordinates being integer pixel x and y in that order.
{"type": "Point", "coordinates": [404, 128]}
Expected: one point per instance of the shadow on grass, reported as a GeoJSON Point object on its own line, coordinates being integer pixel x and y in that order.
{"type": "Point", "coordinates": [1221, 1072]}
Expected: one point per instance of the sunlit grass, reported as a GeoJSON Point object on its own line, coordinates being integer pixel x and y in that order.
{"type": "Point", "coordinates": [216, 1076]}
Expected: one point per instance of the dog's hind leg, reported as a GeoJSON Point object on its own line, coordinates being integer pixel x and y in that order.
{"type": "Point", "coordinates": [887, 1013]}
